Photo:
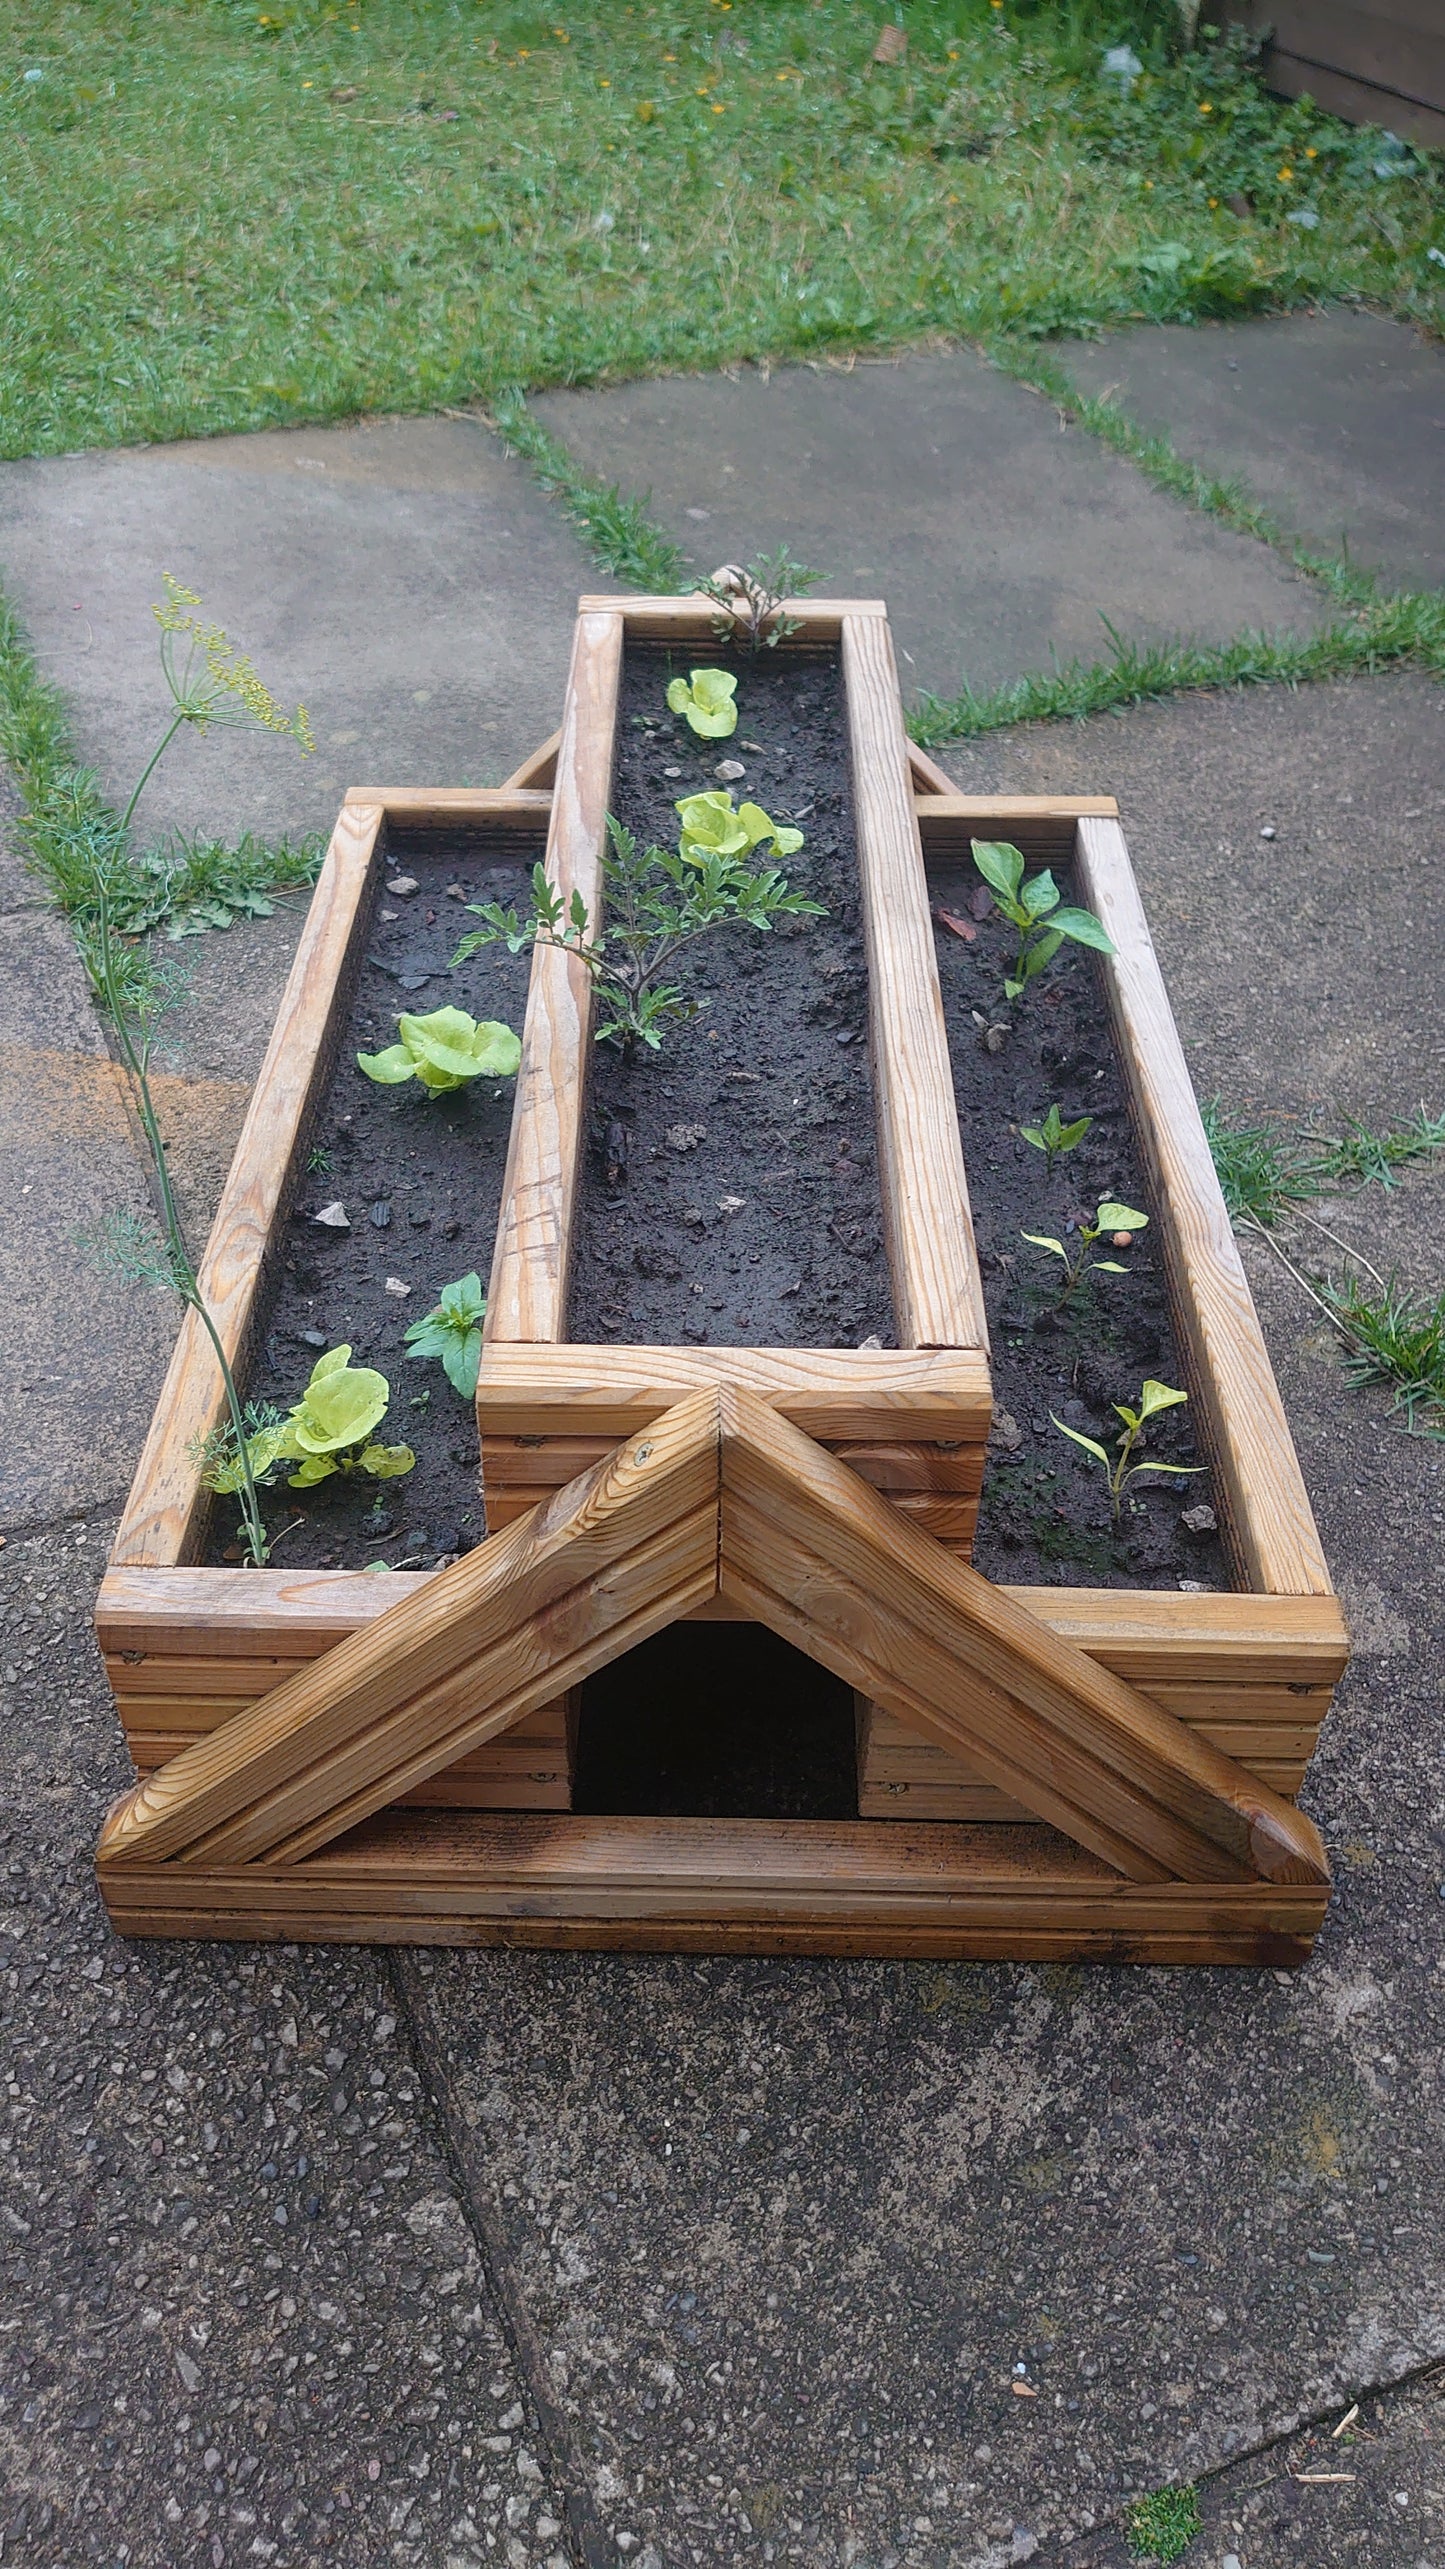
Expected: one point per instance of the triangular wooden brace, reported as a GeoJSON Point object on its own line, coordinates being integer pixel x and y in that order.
{"type": "Point", "coordinates": [719, 1496]}
{"type": "Point", "coordinates": [537, 773]}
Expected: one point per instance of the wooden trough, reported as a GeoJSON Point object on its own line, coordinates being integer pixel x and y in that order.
{"type": "Point", "coordinates": [1042, 1772]}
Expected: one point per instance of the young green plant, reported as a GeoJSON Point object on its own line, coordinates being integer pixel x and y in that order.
{"type": "Point", "coordinates": [1034, 908]}
{"type": "Point", "coordinates": [209, 682]}
{"type": "Point", "coordinates": [452, 1333]}
{"type": "Point", "coordinates": [1122, 1468]}
{"type": "Point", "coordinates": [328, 1430]}
{"type": "Point", "coordinates": [1116, 1221]}
{"type": "Point", "coordinates": [444, 1051]}
{"type": "Point", "coordinates": [1054, 1137]}
{"type": "Point", "coordinates": [658, 903]}
{"type": "Point", "coordinates": [707, 702]}
{"type": "Point", "coordinates": [751, 597]}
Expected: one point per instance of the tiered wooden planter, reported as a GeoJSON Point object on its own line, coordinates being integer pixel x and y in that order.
{"type": "Point", "coordinates": [1086, 1772]}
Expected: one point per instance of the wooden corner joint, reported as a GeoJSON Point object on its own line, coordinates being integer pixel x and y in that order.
{"type": "Point", "coordinates": [720, 1496]}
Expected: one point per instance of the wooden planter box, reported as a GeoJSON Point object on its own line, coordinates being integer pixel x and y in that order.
{"type": "Point", "coordinates": [1042, 1773]}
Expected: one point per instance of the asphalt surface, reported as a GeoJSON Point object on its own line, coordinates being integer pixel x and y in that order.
{"type": "Point", "coordinates": [451, 2259]}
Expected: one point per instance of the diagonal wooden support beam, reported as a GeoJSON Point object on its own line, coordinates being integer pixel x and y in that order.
{"type": "Point", "coordinates": [620, 1552]}
{"type": "Point", "coordinates": [816, 1554]}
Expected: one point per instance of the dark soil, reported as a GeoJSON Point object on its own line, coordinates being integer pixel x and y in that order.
{"type": "Point", "coordinates": [420, 1179]}
{"type": "Point", "coordinates": [748, 1213]}
{"type": "Point", "coordinates": [1046, 1516]}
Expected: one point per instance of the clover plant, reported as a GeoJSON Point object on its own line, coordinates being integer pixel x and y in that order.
{"type": "Point", "coordinates": [711, 827]}
{"type": "Point", "coordinates": [706, 701]}
{"type": "Point", "coordinates": [1053, 1137]}
{"type": "Point", "coordinates": [1033, 908]}
{"type": "Point", "coordinates": [452, 1332]}
{"type": "Point", "coordinates": [444, 1050]}
{"type": "Point", "coordinates": [658, 902]}
{"type": "Point", "coordinates": [1122, 1469]}
{"type": "Point", "coordinates": [1109, 1217]}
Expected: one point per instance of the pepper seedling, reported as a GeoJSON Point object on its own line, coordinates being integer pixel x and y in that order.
{"type": "Point", "coordinates": [706, 702]}
{"type": "Point", "coordinates": [452, 1332]}
{"type": "Point", "coordinates": [1122, 1469]}
{"type": "Point", "coordinates": [1033, 908]}
{"type": "Point", "coordinates": [1110, 1217]}
{"type": "Point", "coordinates": [1053, 1137]}
{"type": "Point", "coordinates": [444, 1050]}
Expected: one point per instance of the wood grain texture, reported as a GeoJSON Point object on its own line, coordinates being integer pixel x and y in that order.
{"type": "Point", "coordinates": [1044, 826]}
{"type": "Point", "coordinates": [617, 1556]}
{"type": "Point", "coordinates": [537, 774]}
{"type": "Point", "coordinates": [928, 777]}
{"type": "Point", "coordinates": [834, 1394]}
{"type": "Point", "coordinates": [693, 619]}
{"type": "Point", "coordinates": [529, 1768]}
{"type": "Point", "coordinates": [742, 1886]}
{"type": "Point", "coordinates": [452, 807]}
{"type": "Point", "coordinates": [927, 1227]}
{"type": "Point", "coordinates": [826, 1563]}
{"type": "Point", "coordinates": [1257, 1473]}
{"type": "Point", "coordinates": [165, 1513]}
{"type": "Point", "coordinates": [531, 1262]}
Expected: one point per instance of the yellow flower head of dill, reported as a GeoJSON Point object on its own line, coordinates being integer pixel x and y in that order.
{"type": "Point", "coordinates": [213, 681]}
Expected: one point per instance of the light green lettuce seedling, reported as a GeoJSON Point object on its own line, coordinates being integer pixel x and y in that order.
{"type": "Point", "coordinates": [329, 1429]}
{"type": "Point", "coordinates": [707, 702]}
{"type": "Point", "coordinates": [711, 827]}
{"type": "Point", "coordinates": [444, 1051]}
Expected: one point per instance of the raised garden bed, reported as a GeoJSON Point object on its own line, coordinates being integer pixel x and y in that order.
{"type": "Point", "coordinates": [1046, 1768]}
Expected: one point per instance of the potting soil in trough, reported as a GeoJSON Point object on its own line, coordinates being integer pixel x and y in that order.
{"type": "Point", "coordinates": [1046, 1517]}
{"type": "Point", "coordinates": [730, 1186]}
{"type": "Point", "coordinates": [419, 1179]}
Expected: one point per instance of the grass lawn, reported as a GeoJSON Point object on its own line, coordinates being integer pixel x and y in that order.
{"type": "Point", "coordinates": [236, 212]}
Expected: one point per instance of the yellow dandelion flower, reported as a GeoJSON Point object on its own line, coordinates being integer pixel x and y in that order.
{"type": "Point", "coordinates": [1205, 109]}
{"type": "Point", "coordinates": [1286, 174]}
{"type": "Point", "coordinates": [1310, 153]}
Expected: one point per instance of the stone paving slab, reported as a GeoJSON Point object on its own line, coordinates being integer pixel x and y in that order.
{"type": "Point", "coordinates": [405, 579]}
{"type": "Point", "coordinates": [999, 535]}
{"type": "Point", "coordinates": [245, 2315]}
{"type": "Point", "coordinates": [1364, 2494]}
{"type": "Point", "coordinates": [81, 1358]}
{"type": "Point", "coordinates": [1336, 420]}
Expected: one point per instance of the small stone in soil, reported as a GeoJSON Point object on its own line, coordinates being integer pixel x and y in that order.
{"type": "Point", "coordinates": [332, 1217]}
{"type": "Point", "coordinates": [419, 1221]}
{"type": "Point", "coordinates": [394, 1285]}
{"type": "Point", "coordinates": [1006, 1432]}
{"type": "Point", "coordinates": [1199, 1521]}
{"type": "Point", "coordinates": [402, 885]}
{"type": "Point", "coordinates": [451, 1229]}
{"type": "Point", "coordinates": [381, 1216]}
{"type": "Point", "coordinates": [313, 1337]}
{"type": "Point", "coordinates": [672, 771]}
{"type": "Point", "coordinates": [845, 1035]}
{"type": "Point", "coordinates": [870, 1346]}
{"type": "Point", "coordinates": [728, 770]}
{"type": "Point", "coordinates": [731, 1203]}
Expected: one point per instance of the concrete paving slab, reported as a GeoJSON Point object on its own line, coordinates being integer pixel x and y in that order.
{"type": "Point", "coordinates": [405, 579]}
{"type": "Point", "coordinates": [866, 2263]}
{"type": "Point", "coordinates": [1302, 967]}
{"type": "Point", "coordinates": [81, 1356]}
{"type": "Point", "coordinates": [998, 535]}
{"type": "Point", "coordinates": [1365, 2495]}
{"type": "Point", "coordinates": [246, 2315]}
{"type": "Point", "coordinates": [1336, 420]}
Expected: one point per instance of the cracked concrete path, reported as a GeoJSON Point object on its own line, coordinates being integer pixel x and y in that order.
{"type": "Point", "coordinates": [1336, 420]}
{"type": "Point", "coordinates": [999, 535]}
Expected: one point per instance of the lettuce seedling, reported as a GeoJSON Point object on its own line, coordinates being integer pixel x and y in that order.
{"type": "Point", "coordinates": [1110, 1217]}
{"type": "Point", "coordinates": [330, 1426]}
{"type": "Point", "coordinates": [711, 827]}
{"type": "Point", "coordinates": [444, 1051]}
{"type": "Point", "coordinates": [453, 1333]}
{"type": "Point", "coordinates": [1053, 1137]}
{"type": "Point", "coordinates": [1033, 908]}
{"type": "Point", "coordinates": [1123, 1469]}
{"type": "Point", "coordinates": [706, 701]}
{"type": "Point", "coordinates": [658, 902]}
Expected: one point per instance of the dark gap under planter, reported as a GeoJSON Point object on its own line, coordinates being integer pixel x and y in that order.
{"type": "Point", "coordinates": [434, 1165]}
{"type": "Point", "coordinates": [1045, 1517]}
{"type": "Point", "coordinates": [728, 1189]}
{"type": "Point", "coordinates": [717, 1721]}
